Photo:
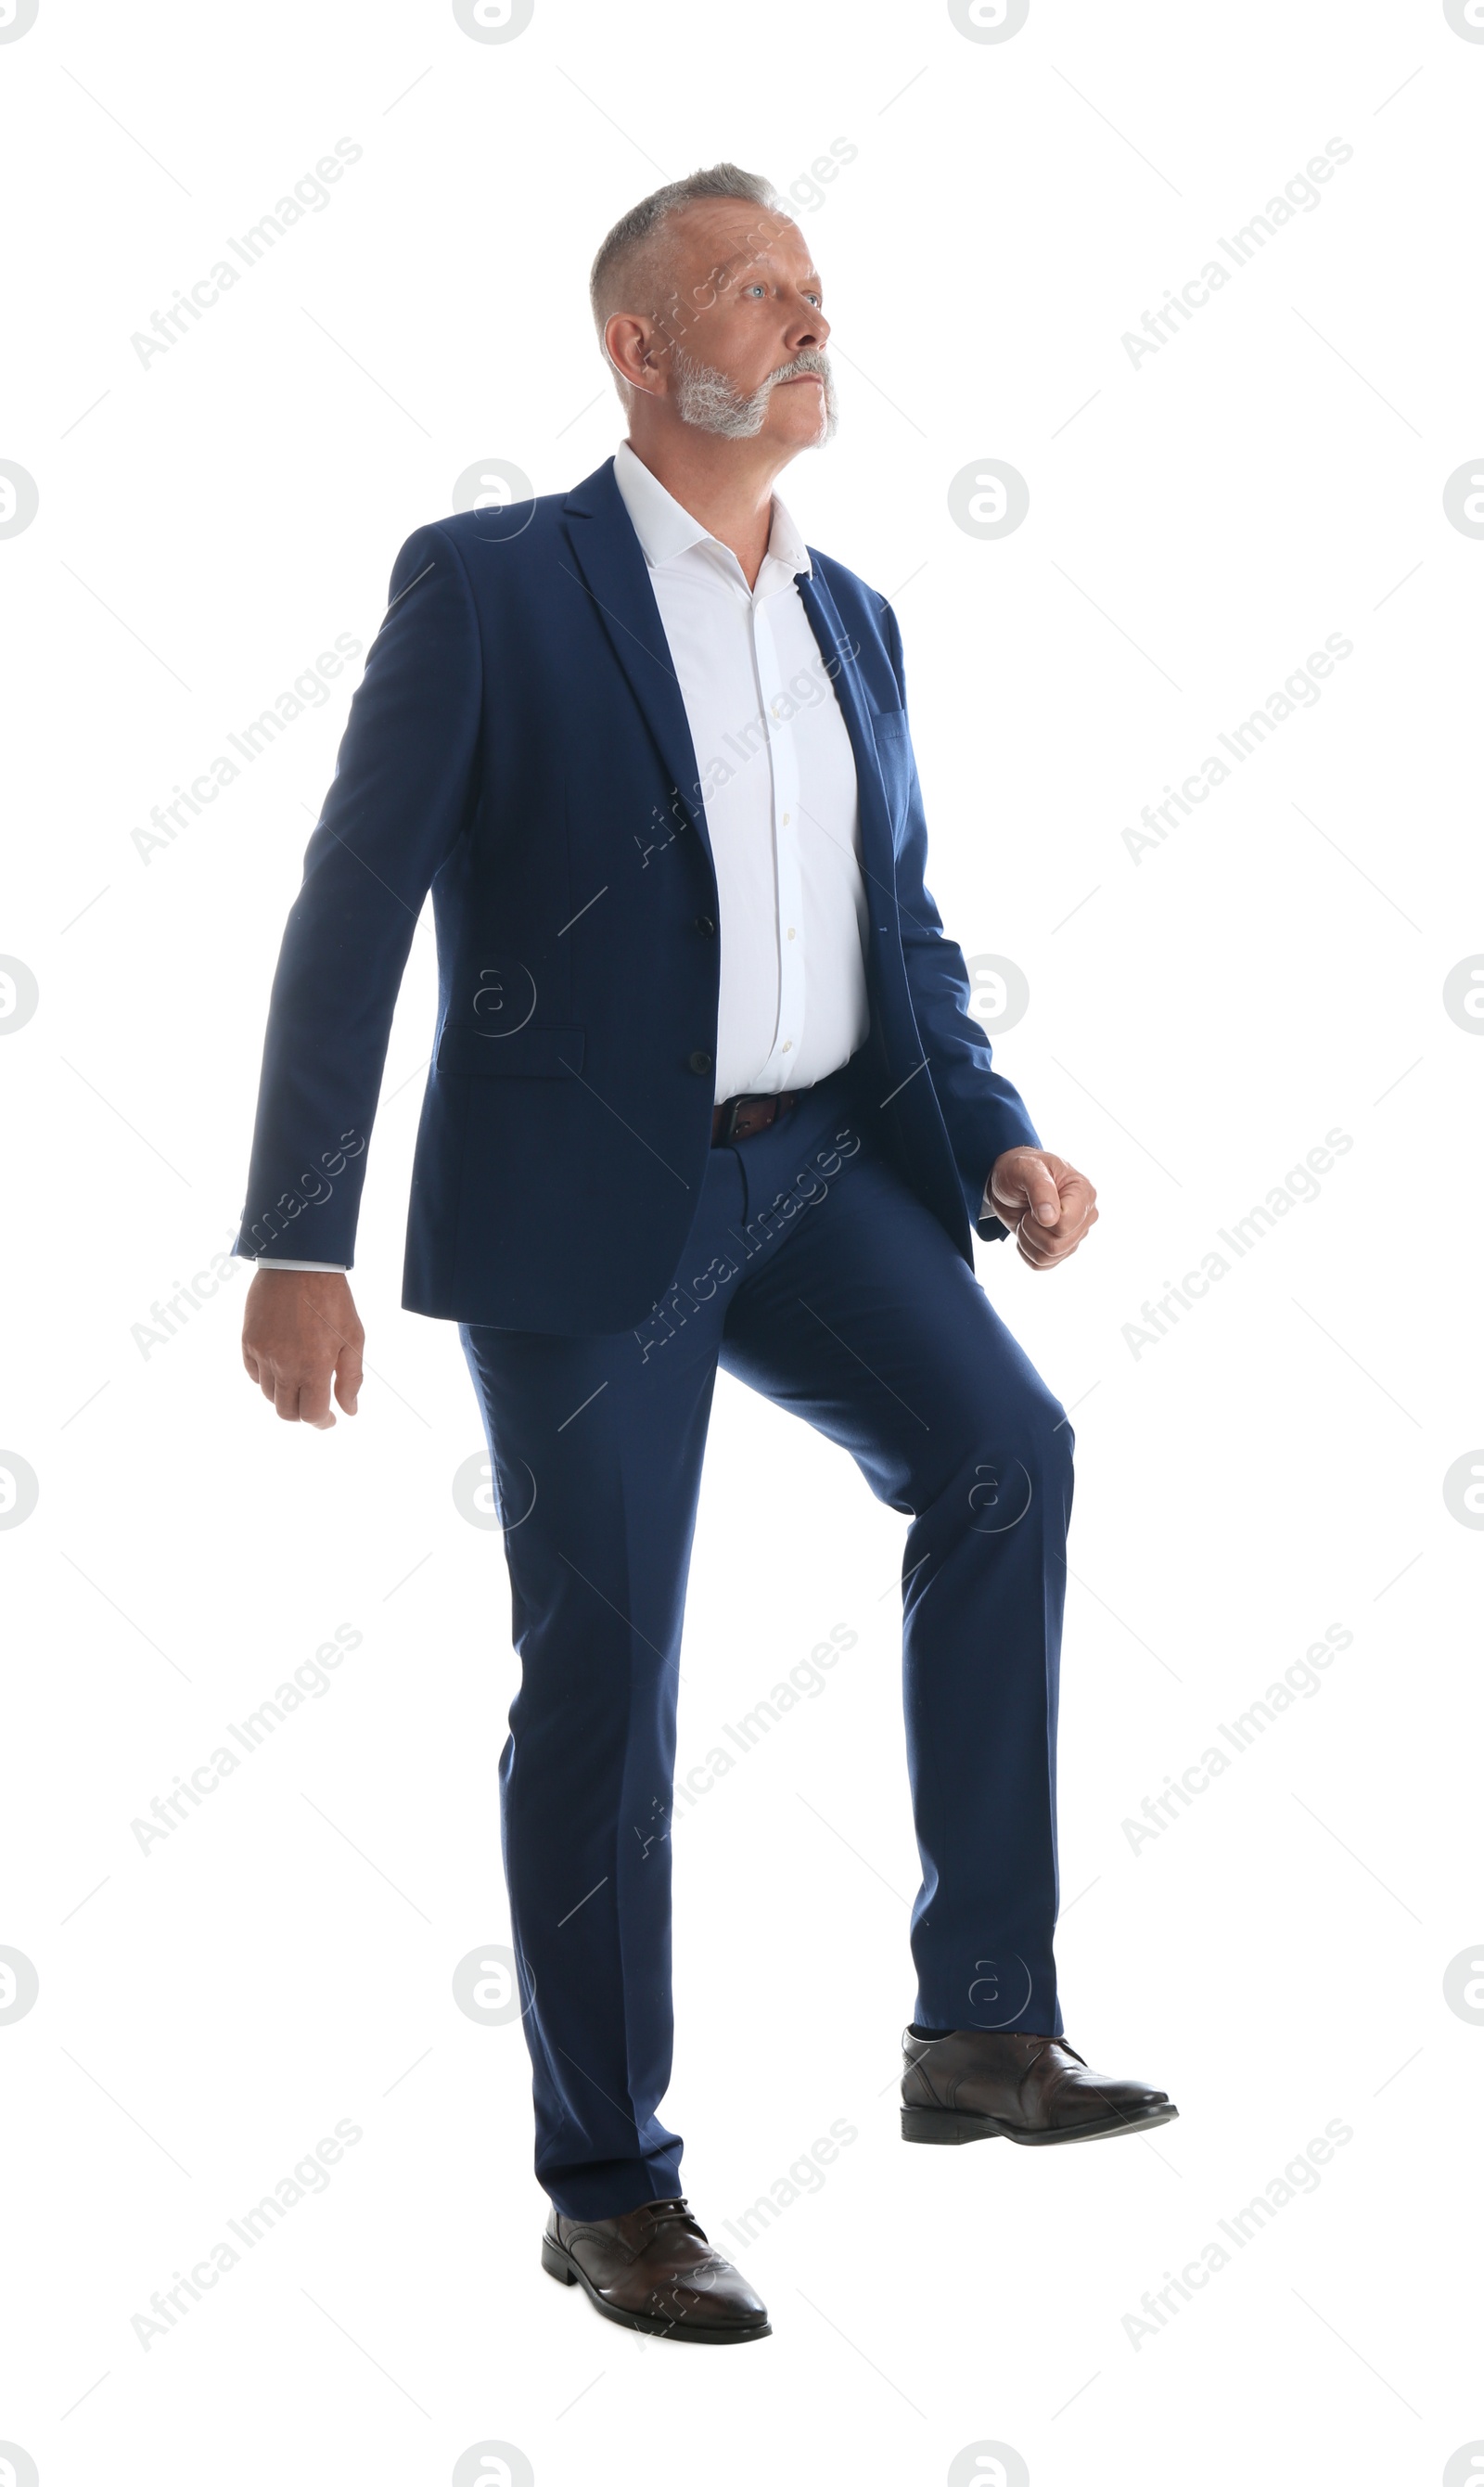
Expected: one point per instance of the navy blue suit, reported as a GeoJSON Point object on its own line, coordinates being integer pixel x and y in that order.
{"type": "Point", "coordinates": [520, 745]}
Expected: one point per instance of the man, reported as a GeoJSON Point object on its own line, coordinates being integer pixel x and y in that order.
{"type": "Point", "coordinates": [705, 1090]}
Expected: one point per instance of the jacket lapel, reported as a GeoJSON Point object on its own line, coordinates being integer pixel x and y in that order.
{"type": "Point", "coordinates": [608, 562]}
{"type": "Point", "coordinates": [841, 654]}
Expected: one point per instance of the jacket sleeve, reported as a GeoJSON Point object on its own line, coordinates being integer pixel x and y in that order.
{"type": "Point", "coordinates": [400, 796]}
{"type": "Point", "coordinates": [984, 1113]}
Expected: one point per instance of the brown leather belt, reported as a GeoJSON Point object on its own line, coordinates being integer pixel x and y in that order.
{"type": "Point", "coordinates": [736, 1118]}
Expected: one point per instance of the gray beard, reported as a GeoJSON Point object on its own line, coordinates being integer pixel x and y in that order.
{"type": "Point", "coordinates": [706, 398]}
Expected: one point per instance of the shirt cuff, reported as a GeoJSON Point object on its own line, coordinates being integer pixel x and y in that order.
{"type": "Point", "coordinates": [337, 1266]}
{"type": "Point", "coordinates": [989, 1225]}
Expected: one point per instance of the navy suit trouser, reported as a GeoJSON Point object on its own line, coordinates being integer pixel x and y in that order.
{"type": "Point", "coordinates": [817, 1277]}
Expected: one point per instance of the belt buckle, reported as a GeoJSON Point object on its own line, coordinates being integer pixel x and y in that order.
{"type": "Point", "coordinates": [735, 1105]}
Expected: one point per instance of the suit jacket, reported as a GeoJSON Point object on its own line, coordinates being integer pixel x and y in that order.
{"type": "Point", "coordinates": [518, 744]}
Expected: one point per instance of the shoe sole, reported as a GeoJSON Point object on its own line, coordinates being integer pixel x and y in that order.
{"type": "Point", "coordinates": [556, 2259]}
{"type": "Point", "coordinates": [942, 2124]}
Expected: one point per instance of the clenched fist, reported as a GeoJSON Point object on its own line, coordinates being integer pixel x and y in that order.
{"type": "Point", "coordinates": [1046, 1205]}
{"type": "Point", "coordinates": [300, 1329]}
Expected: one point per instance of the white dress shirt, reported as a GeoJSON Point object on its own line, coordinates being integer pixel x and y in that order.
{"type": "Point", "coordinates": [778, 778]}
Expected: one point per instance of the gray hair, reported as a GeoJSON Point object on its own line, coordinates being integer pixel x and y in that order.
{"type": "Point", "coordinates": [631, 241]}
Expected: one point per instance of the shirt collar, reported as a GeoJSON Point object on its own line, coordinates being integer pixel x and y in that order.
{"type": "Point", "coordinates": [665, 529]}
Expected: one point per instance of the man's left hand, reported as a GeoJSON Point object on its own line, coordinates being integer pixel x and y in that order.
{"type": "Point", "coordinates": [1046, 1205]}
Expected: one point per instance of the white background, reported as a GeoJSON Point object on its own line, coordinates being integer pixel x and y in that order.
{"type": "Point", "coordinates": [1273, 1464]}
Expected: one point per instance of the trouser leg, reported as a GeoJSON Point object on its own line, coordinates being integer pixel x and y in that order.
{"type": "Point", "coordinates": [870, 1326]}
{"type": "Point", "coordinates": [596, 1454]}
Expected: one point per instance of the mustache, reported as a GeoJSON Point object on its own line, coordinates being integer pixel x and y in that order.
{"type": "Point", "coordinates": [811, 358]}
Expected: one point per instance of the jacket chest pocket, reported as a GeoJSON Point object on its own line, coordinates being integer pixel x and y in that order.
{"type": "Point", "coordinates": [894, 752]}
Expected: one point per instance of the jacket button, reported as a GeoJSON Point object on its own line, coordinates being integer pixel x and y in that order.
{"type": "Point", "coordinates": [701, 1062]}
{"type": "Point", "coordinates": [704, 924]}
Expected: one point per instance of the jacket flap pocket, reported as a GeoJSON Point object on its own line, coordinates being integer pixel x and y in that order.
{"type": "Point", "coordinates": [526, 1053]}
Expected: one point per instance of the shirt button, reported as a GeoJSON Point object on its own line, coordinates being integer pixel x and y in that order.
{"type": "Point", "coordinates": [788, 1045]}
{"type": "Point", "coordinates": [791, 932]}
{"type": "Point", "coordinates": [701, 1062]}
{"type": "Point", "coordinates": [786, 818]}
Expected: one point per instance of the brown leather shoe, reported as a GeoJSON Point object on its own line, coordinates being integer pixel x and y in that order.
{"type": "Point", "coordinates": [651, 2270]}
{"type": "Point", "coordinates": [979, 2083]}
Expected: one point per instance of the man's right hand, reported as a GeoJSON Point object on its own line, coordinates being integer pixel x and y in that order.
{"type": "Point", "coordinates": [299, 1329]}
